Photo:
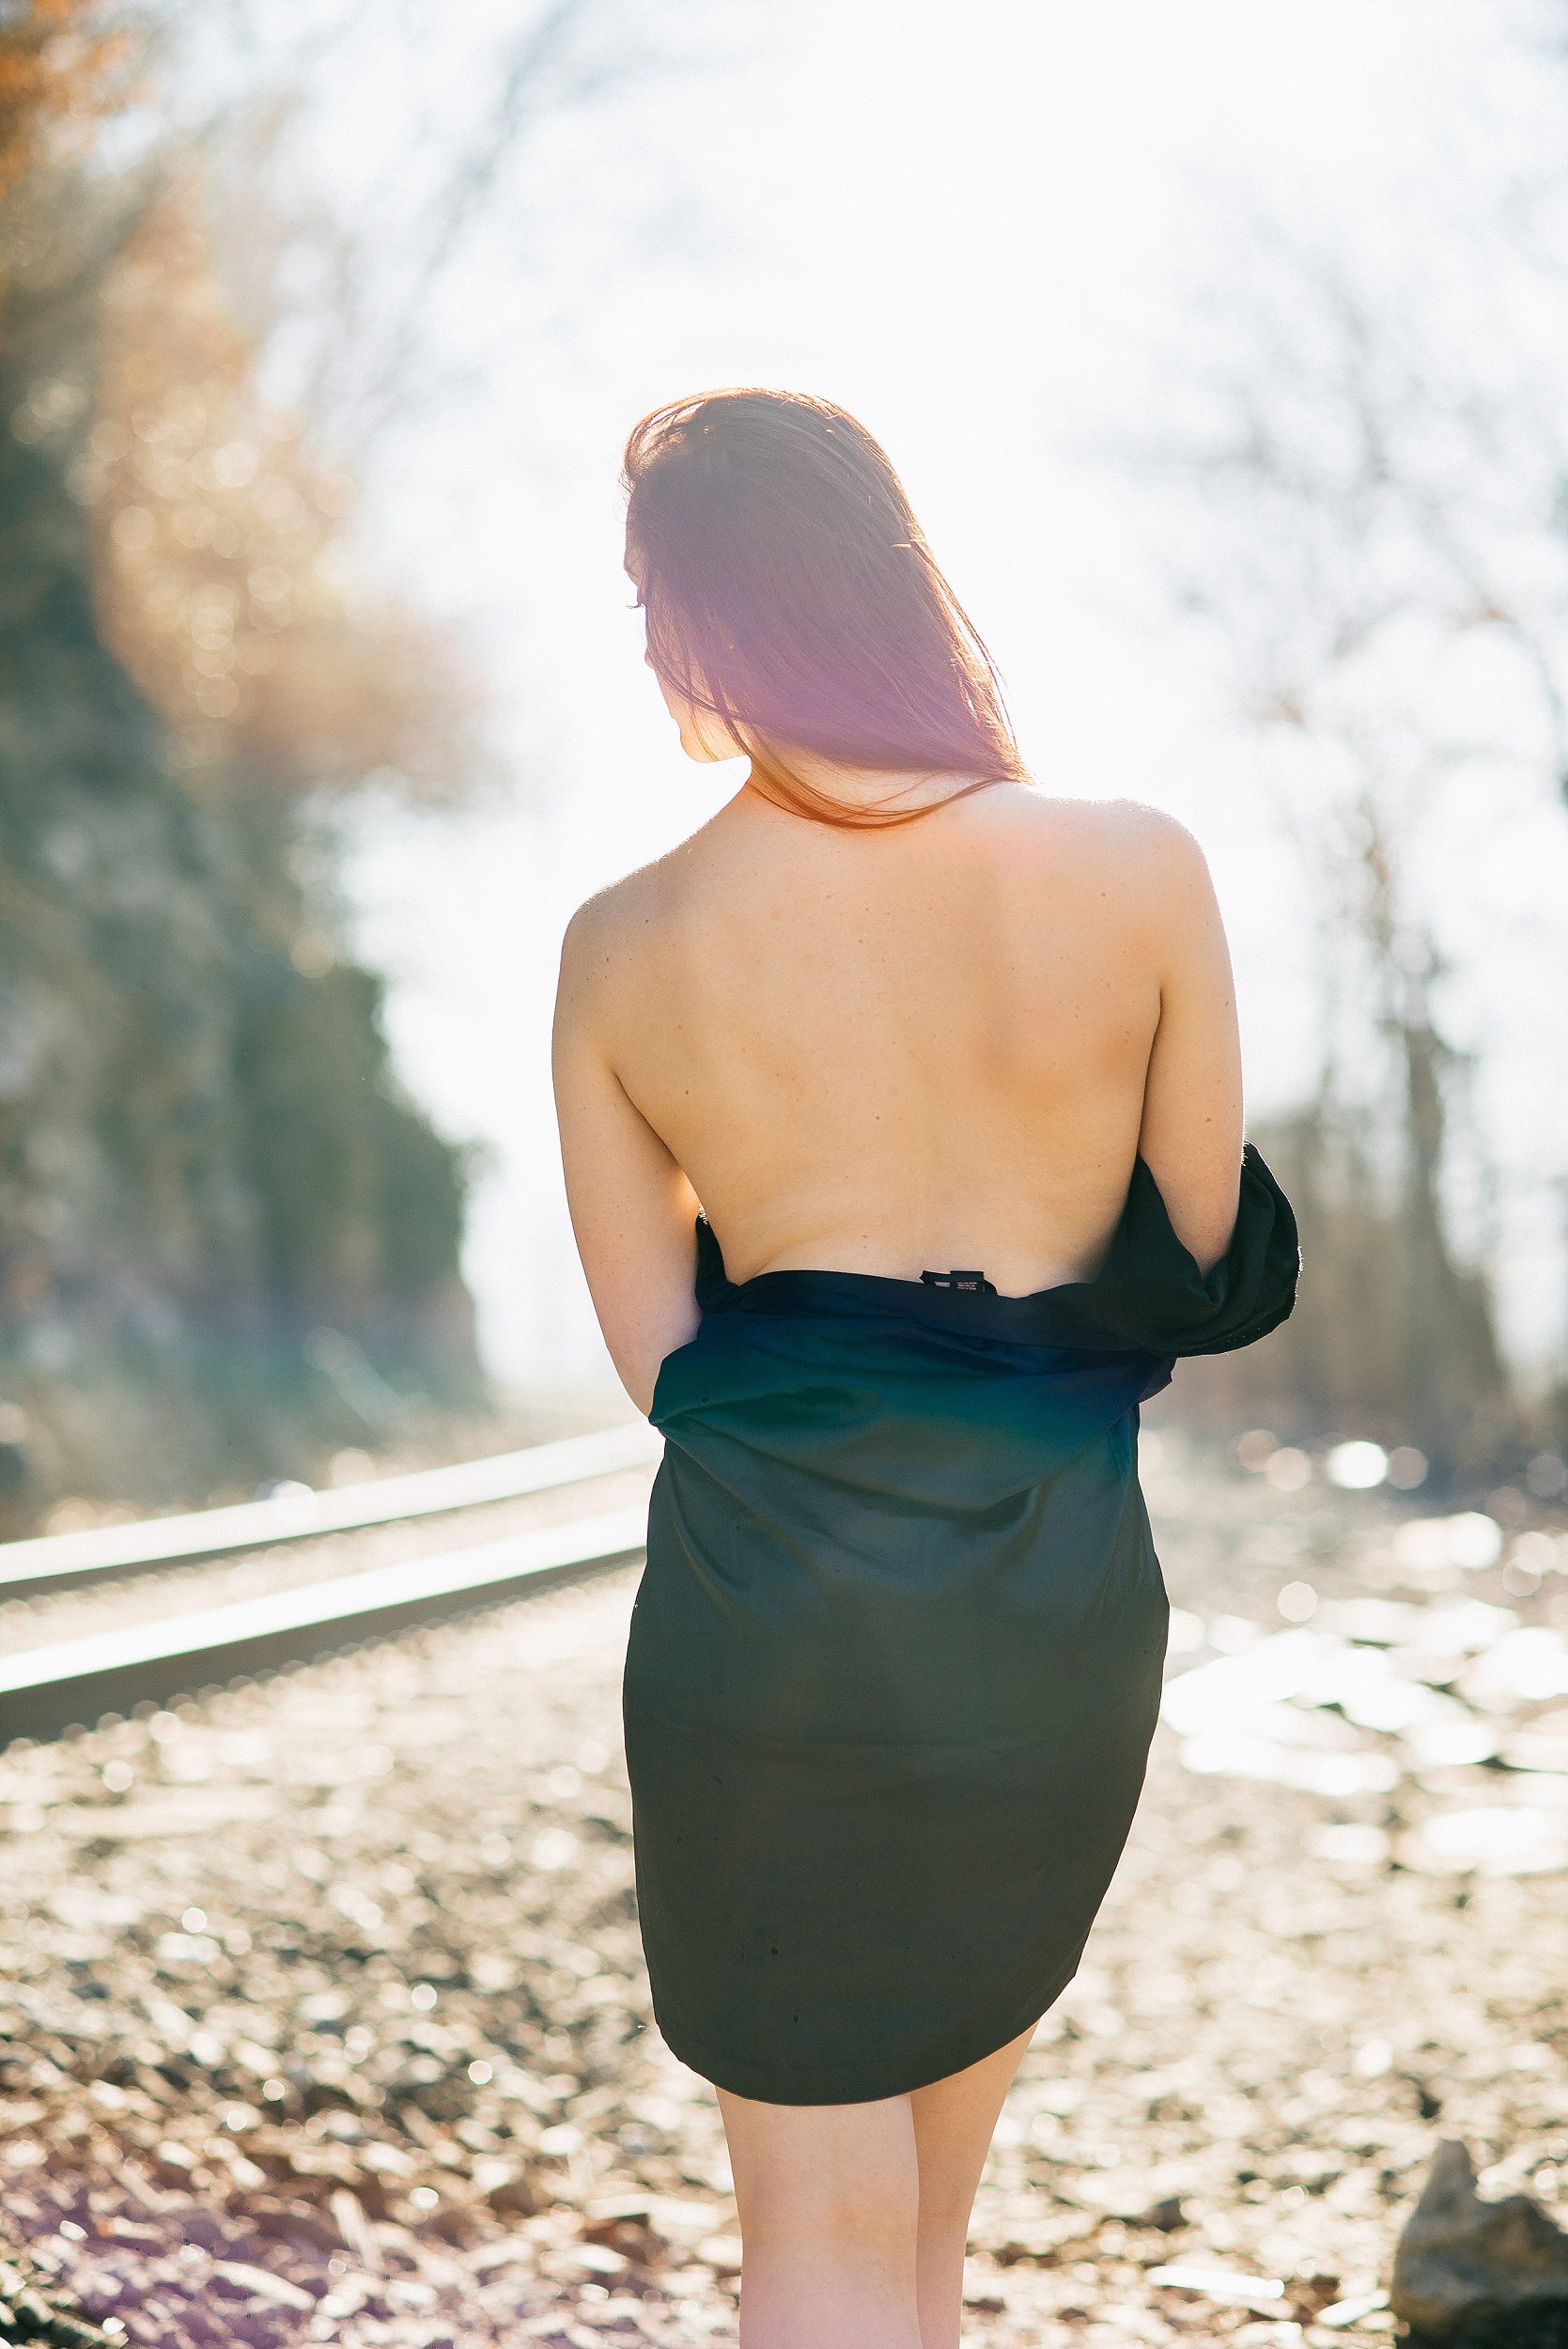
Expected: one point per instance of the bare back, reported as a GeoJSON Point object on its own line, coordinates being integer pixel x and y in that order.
{"type": "Point", "coordinates": [883, 1050]}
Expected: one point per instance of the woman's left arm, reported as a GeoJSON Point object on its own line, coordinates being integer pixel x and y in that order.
{"type": "Point", "coordinates": [632, 1209]}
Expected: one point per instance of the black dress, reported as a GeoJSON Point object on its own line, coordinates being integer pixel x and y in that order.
{"type": "Point", "coordinates": [895, 1661]}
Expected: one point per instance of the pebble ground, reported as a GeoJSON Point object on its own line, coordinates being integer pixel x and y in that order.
{"type": "Point", "coordinates": [327, 2019]}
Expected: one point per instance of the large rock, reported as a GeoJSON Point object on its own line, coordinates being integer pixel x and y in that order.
{"type": "Point", "coordinates": [1462, 2263]}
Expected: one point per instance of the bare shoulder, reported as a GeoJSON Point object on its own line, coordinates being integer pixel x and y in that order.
{"type": "Point", "coordinates": [1132, 856]}
{"type": "Point", "coordinates": [604, 921]}
{"type": "Point", "coordinates": [595, 951]}
{"type": "Point", "coordinates": [1121, 833]}
{"type": "Point", "coordinates": [611, 932]}
{"type": "Point", "coordinates": [626, 911]}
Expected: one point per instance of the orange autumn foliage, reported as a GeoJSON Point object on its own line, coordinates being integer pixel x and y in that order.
{"type": "Point", "coordinates": [219, 536]}
{"type": "Point", "coordinates": [58, 62]}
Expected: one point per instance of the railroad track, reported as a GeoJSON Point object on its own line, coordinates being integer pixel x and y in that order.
{"type": "Point", "coordinates": [299, 1513]}
{"type": "Point", "coordinates": [46, 1689]}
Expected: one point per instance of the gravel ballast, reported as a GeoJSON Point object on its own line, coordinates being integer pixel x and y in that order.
{"type": "Point", "coordinates": [328, 2020]}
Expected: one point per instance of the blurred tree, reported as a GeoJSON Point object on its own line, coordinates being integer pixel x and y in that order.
{"type": "Point", "coordinates": [61, 66]}
{"type": "Point", "coordinates": [227, 1239]}
{"type": "Point", "coordinates": [361, 1205]}
{"type": "Point", "coordinates": [219, 551]}
{"type": "Point", "coordinates": [1383, 561]}
{"type": "Point", "coordinates": [204, 1154]}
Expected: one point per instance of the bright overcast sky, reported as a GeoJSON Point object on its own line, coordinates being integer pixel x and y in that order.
{"type": "Point", "coordinates": [984, 230]}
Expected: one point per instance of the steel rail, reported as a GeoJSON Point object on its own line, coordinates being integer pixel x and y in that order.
{"type": "Point", "coordinates": [300, 1512]}
{"type": "Point", "coordinates": [44, 1690]}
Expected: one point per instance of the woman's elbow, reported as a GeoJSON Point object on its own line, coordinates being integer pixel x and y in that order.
{"type": "Point", "coordinates": [1211, 1228]}
{"type": "Point", "coordinates": [640, 1358]}
{"type": "Point", "coordinates": [1206, 1258]}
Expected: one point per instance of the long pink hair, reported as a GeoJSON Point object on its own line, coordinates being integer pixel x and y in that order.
{"type": "Point", "coordinates": [791, 593]}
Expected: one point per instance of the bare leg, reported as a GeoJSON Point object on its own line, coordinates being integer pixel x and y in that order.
{"type": "Point", "coordinates": [855, 2217]}
{"type": "Point", "coordinates": [829, 2196]}
{"type": "Point", "coordinates": [954, 2120]}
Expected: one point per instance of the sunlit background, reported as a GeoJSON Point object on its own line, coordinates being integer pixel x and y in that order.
{"type": "Point", "coordinates": [1219, 349]}
{"type": "Point", "coordinates": [1223, 349]}
{"type": "Point", "coordinates": [1016, 245]}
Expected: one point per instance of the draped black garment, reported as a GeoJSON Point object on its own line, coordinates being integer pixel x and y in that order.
{"type": "Point", "coordinates": [895, 1661]}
